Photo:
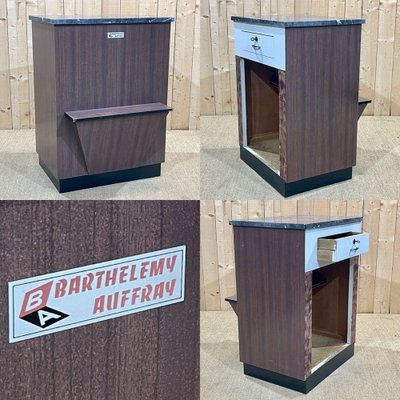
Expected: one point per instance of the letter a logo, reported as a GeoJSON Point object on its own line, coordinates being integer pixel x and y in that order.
{"type": "Point", "coordinates": [34, 308]}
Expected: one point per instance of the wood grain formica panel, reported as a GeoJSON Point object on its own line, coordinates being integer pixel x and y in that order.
{"type": "Point", "coordinates": [332, 296]}
{"type": "Point", "coordinates": [262, 104]}
{"type": "Point", "coordinates": [282, 125]}
{"type": "Point", "coordinates": [139, 356]}
{"type": "Point", "coordinates": [95, 72]}
{"type": "Point", "coordinates": [45, 94]}
{"type": "Point", "coordinates": [308, 325]}
{"type": "Point", "coordinates": [354, 261]}
{"type": "Point", "coordinates": [113, 112]}
{"type": "Point", "coordinates": [179, 372]}
{"type": "Point", "coordinates": [322, 80]}
{"type": "Point", "coordinates": [271, 297]}
{"type": "Point", "coordinates": [239, 93]}
{"type": "Point", "coordinates": [115, 144]}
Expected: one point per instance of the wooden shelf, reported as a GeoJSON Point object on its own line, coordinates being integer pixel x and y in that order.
{"type": "Point", "coordinates": [82, 115]}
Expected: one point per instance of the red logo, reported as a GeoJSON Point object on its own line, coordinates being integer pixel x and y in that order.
{"type": "Point", "coordinates": [34, 307]}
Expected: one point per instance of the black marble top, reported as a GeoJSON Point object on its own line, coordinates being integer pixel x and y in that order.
{"type": "Point", "coordinates": [283, 21]}
{"type": "Point", "coordinates": [300, 223]}
{"type": "Point", "coordinates": [99, 20]}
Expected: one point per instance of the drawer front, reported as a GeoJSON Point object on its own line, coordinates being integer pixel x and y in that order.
{"type": "Point", "coordinates": [311, 259]}
{"type": "Point", "coordinates": [262, 44]}
{"type": "Point", "coordinates": [340, 247]}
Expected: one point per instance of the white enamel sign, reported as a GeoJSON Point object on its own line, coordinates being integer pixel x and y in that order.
{"type": "Point", "coordinates": [85, 295]}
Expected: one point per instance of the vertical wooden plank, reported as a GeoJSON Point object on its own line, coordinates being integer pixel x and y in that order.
{"type": "Point", "coordinates": [183, 69]}
{"type": "Point", "coordinates": [92, 8]}
{"type": "Point", "coordinates": [274, 7]}
{"type": "Point", "coordinates": [395, 99]}
{"type": "Point", "coordinates": [353, 8]}
{"type": "Point", "coordinates": [69, 7]}
{"type": "Point", "coordinates": [148, 8]}
{"type": "Point", "coordinates": [321, 208]}
{"type": "Point", "coordinates": [305, 207]}
{"type": "Point", "coordinates": [256, 209]}
{"type": "Point", "coordinates": [111, 8]}
{"type": "Point", "coordinates": [395, 283]}
{"type": "Point", "coordinates": [319, 8]}
{"type": "Point", "coordinates": [37, 7]}
{"type": "Point", "coordinates": [78, 8]}
{"type": "Point", "coordinates": [269, 208]}
{"type": "Point", "coordinates": [368, 261]}
{"type": "Point", "coordinates": [252, 8]}
{"type": "Point", "coordinates": [354, 208]}
{"type": "Point", "coordinates": [286, 7]}
{"type": "Point", "coordinates": [55, 8]}
{"type": "Point", "coordinates": [220, 53]}
{"type": "Point", "coordinates": [233, 8]}
{"type": "Point", "coordinates": [167, 8]}
{"type": "Point", "coordinates": [209, 256]}
{"type": "Point", "coordinates": [265, 9]}
{"type": "Point", "coordinates": [5, 93]}
{"type": "Point", "coordinates": [337, 208]}
{"type": "Point", "coordinates": [19, 72]}
{"type": "Point", "coordinates": [302, 7]}
{"type": "Point", "coordinates": [223, 214]}
{"type": "Point", "coordinates": [130, 8]}
{"type": "Point", "coordinates": [194, 121]}
{"type": "Point", "coordinates": [337, 8]}
{"type": "Point", "coordinates": [384, 267]}
{"type": "Point", "coordinates": [206, 67]}
{"type": "Point", "coordinates": [285, 208]}
{"type": "Point", "coordinates": [369, 49]}
{"type": "Point", "coordinates": [384, 67]}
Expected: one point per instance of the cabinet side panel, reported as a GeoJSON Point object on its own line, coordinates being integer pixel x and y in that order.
{"type": "Point", "coordinates": [322, 81]}
{"type": "Point", "coordinates": [45, 94]}
{"type": "Point", "coordinates": [271, 293]}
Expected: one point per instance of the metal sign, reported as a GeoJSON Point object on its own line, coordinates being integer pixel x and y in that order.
{"type": "Point", "coordinates": [115, 35]}
{"type": "Point", "coordinates": [67, 299]}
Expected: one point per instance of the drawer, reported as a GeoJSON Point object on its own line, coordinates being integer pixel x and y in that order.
{"type": "Point", "coordinates": [262, 44]}
{"type": "Point", "coordinates": [342, 246]}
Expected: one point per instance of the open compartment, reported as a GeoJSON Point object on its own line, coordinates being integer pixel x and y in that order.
{"type": "Point", "coordinates": [331, 314]}
{"type": "Point", "coordinates": [262, 136]}
{"type": "Point", "coordinates": [121, 138]}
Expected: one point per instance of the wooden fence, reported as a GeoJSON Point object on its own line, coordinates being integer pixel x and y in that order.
{"type": "Point", "coordinates": [16, 64]}
{"type": "Point", "coordinates": [379, 289]}
{"type": "Point", "coordinates": [380, 52]}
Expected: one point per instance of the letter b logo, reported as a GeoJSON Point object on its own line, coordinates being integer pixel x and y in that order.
{"type": "Point", "coordinates": [35, 310]}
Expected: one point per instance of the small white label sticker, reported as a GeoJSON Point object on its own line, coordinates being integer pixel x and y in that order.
{"type": "Point", "coordinates": [67, 299]}
{"type": "Point", "coordinates": [115, 35]}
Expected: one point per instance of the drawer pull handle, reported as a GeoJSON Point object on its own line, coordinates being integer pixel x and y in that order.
{"type": "Point", "coordinates": [255, 46]}
{"type": "Point", "coordinates": [356, 241]}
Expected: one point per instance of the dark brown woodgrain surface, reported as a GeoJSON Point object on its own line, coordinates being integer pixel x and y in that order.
{"type": "Point", "coordinates": [90, 71]}
{"type": "Point", "coordinates": [271, 294]}
{"type": "Point", "coordinates": [153, 355]}
{"type": "Point", "coordinates": [322, 81]}
{"type": "Point", "coordinates": [114, 144]}
{"type": "Point", "coordinates": [45, 94]}
{"type": "Point", "coordinates": [330, 301]}
{"type": "Point", "coordinates": [262, 100]}
{"type": "Point", "coordinates": [98, 113]}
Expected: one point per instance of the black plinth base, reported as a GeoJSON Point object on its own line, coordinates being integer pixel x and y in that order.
{"type": "Point", "coordinates": [296, 384]}
{"type": "Point", "coordinates": [292, 188]}
{"type": "Point", "coordinates": [90, 181]}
